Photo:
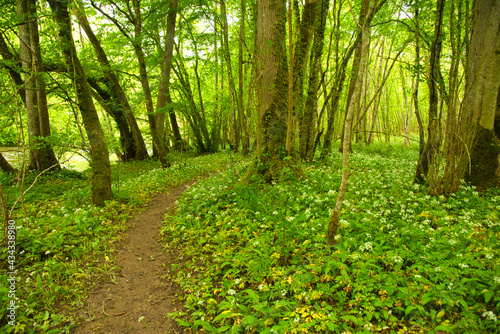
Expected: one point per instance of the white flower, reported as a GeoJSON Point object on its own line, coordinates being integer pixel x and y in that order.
{"type": "Point", "coordinates": [496, 279]}
{"type": "Point", "coordinates": [296, 319]}
{"type": "Point", "coordinates": [397, 259]}
{"type": "Point", "coordinates": [141, 319]}
{"type": "Point", "coordinates": [237, 281]}
{"type": "Point", "coordinates": [231, 292]}
{"type": "Point", "coordinates": [490, 315]}
{"type": "Point", "coordinates": [463, 265]}
{"type": "Point", "coordinates": [438, 269]}
{"type": "Point", "coordinates": [344, 223]}
{"type": "Point", "coordinates": [337, 237]}
{"type": "Point", "coordinates": [368, 246]}
{"type": "Point", "coordinates": [417, 276]}
{"type": "Point", "coordinates": [261, 286]}
{"type": "Point", "coordinates": [283, 293]}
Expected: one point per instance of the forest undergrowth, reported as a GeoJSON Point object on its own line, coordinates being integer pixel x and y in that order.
{"type": "Point", "coordinates": [64, 244]}
{"type": "Point", "coordinates": [256, 258]}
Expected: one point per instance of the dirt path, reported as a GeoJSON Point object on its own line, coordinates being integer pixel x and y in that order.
{"type": "Point", "coordinates": [142, 296]}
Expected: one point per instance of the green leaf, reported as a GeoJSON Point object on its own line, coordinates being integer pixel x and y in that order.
{"type": "Point", "coordinates": [488, 294]}
{"type": "Point", "coordinates": [223, 329]}
{"type": "Point", "coordinates": [409, 309]}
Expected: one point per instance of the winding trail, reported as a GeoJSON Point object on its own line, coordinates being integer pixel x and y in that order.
{"type": "Point", "coordinates": [141, 296]}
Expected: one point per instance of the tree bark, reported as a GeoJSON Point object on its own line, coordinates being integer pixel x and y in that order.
{"type": "Point", "coordinates": [300, 64]}
{"type": "Point", "coordinates": [164, 98]}
{"type": "Point", "coordinates": [132, 141]}
{"type": "Point", "coordinates": [272, 87]}
{"type": "Point", "coordinates": [236, 104]}
{"type": "Point", "coordinates": [480, 112]}
{"type": "Point", "coordinates": [307, 136]}
{"type": "Point", "coordinates": [101, 169]}
{"type": "Point", "coordinates": [426, 158]}
{"type": "Point", "coordinates": [141, 59]}
{"type": "Point", "coordinates": [368, 10]}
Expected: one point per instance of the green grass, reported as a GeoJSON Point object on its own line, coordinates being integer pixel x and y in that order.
{"type": "Point", "coordinates": [256, 259]}
{"type": "Point", "coordinates": [64, 243]}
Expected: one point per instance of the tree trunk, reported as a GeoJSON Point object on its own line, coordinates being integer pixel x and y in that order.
{"type": "Point", "coordinates": [6, 166]}
{"type": "Point", "coordinates": [307, 132]}
{"type": "Point", "coordinates": [134, 148]}
{"type": "Point", "coordinates": [164, 98]}
{"type": "Point", "coordinates": [272, 86]}
{"type": "Point", "coordinates": [426, 158]}
{"type": "Point", "coordinates": [481, 111]}
{"type": "Point", "coordinates": [139, 52]}
{"type": "Point", "coordinates": [10, 62]}
{"type": "Point", "coordinates": [236, 104]}
{"type": "Point", "coordinates": [101, 170]}
{"type": "Point", "coordinates": [301, 56]}
{"type": "Point", "coordinates": [245, 136]}
{"type": "Point", "coordinates": [368, 10]}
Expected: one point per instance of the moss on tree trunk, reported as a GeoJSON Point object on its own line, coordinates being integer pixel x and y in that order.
{"type": "Point", "coordinates": [484, 169]}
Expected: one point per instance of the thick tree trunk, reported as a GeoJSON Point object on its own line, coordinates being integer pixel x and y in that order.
{"type": "Point", "coordinates": [481, 102]}
{"type": "Point", "coordinates": [272, 87]}
{"type": "Point", "coordinates": [101, 169]}
{"type": "Point", "coordinates": [6, 166]}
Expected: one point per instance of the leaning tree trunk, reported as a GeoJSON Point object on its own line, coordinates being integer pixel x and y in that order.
{"type": "Point", "coordinates": [131, 138]}
{"type": "Point", "coordinates": [101, 169]}
{"type": "Point", "coordinates": [139, 52]}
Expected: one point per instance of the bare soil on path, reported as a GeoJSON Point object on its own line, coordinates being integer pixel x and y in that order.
{"type": "Point", "coordinates": [141, 296]}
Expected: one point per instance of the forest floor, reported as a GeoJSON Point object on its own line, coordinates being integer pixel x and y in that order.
{"type": "Point", "coordinates": [140, 296]}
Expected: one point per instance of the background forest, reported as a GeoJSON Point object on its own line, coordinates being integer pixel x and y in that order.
{"type": "Point", "coordinates": [308, 91]}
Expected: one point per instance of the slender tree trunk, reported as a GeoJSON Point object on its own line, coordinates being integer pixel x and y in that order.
{"type": "Point", "coordinates": [10, 63]}
{"type": "Point", "coordinates": [426, 158]}
{"type": "Point", "coordinates": [139, 52]}
{"type": "Point", "coordinates": [310, 109]}
{"type": "Point", "coordinates": [420, 123]}
{"type": "Point", "coordinates": [101, 170]}
{"type": "Point", "coordinates": [368, 10]}
{"type": "Point", "coordinates": [301, 56]}
{"type": "Point", "coordinates": [164, 98]}
{"type": "Point", "coordinates": [134, 148]}
{"type": "Point", "coordinates": [241, 82]}
{"type": "Point", "coordinates": [236, 104]}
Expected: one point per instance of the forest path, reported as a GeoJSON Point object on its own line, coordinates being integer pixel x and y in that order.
{"type": "Point", "coordinates": [141, 296]}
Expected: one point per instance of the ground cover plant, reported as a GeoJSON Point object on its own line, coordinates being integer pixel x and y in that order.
{"type": "Point", "coordinates": [64, 243]}
{"type": "Point", "coordinates": [256, 260]}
